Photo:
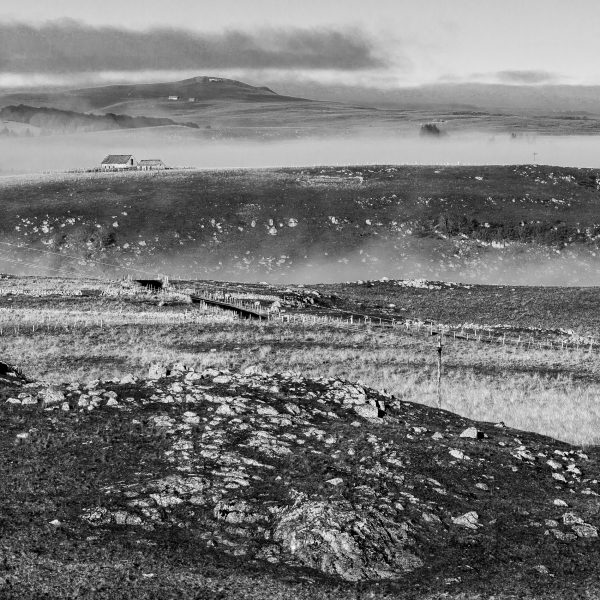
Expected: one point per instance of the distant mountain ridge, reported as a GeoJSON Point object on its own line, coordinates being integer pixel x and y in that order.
{"type": "Point", "coordinates": [196, 89]}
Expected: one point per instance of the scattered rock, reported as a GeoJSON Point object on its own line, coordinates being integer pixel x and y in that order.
{"type": "Point", "coordinates": [570, 518]}
{"type": "Point", "coordinates": [469, 520]}
{"type": "Point", "coordinates": [253, 370]}
{"type": "Point", "coordinates": [367, 411]}
{"type": "Point", "coordinates": [51, 396]}
{"type": "Point", "coordinates": [472, 433]}
{"type": "Point", "coordinates": [336, 481]}
{"type": "Point", "coordinates": [157, 371]}
{"type": "Point", "coordinates": [585, 530]}
{"type": "Point", "coordinates": [367, 494]}
{"type": "Point", "coordinates": [458, 454]}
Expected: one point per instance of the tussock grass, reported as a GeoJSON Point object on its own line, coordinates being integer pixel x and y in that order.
{"type": "Point", "coordinates": [550, 392]}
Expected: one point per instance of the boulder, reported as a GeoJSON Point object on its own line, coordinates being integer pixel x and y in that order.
{"type": "Point", "coordinates": [51, 396]}
{"type": "Point", "coordinates": [367, 411]}
{"type": "Point", "coordinates": [472, 433]}
{"type": "Point", "coordinates": [157, 371]}
{"type": "Point", "coordinates": [338, 540]}
{"type": "Point", "coordinates": [469, 520]}
{"type": "Point", "coordinates": [253, 370]}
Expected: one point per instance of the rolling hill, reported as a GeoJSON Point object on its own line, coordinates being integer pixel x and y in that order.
{"type": "Point", "coordinates": [53, 120]}
{"type": "Point", "coordinates": [225, 484]}
{"type": "Point", "coordinates": [228, 105]}
{"type": "Point", "coordinates": [482, 224]}
{"type": "Point", "coordinates": [200, 89]}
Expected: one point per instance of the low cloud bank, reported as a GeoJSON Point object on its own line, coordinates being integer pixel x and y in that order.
{"type": "Point", "coordinates": [72, 47]}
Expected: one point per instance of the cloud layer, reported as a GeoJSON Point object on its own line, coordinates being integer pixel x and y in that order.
{"type": "Point", "coordinates": [71, 47]}
{"type": "Point", "coordinates": [526, 77]}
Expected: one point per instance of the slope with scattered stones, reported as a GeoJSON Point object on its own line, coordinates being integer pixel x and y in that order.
{"type": "Point", "coordinates": [324, 474]}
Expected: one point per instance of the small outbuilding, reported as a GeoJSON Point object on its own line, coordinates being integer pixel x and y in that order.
{"type": "Point", "coordinates": [151, 164]}
{"type": "Point", "coordinates": [118, 162]}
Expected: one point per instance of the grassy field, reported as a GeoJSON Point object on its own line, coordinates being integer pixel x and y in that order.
{"type": "Point", "coordinates": [518, 306]}
{"type": "Point", "coordinates": [553, 392]}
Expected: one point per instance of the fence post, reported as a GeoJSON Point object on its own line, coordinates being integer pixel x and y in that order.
{"type": "Point", "coordinates": [439, 371]}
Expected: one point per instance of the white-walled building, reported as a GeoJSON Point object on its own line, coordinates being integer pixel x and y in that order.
{"type": "Point", "coordinates": [117, 162]}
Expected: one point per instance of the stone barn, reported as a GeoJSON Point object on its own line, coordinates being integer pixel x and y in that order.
{"type": "Point", "coordinates": [118, 162]}
{"type": "Point", "coordinates": [151, 164]}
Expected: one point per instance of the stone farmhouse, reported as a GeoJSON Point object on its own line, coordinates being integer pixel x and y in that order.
{"type": "Point", "coordinates": [151, 164]}
{"type": "Point", "coordinates": [118, 162]}
{"type": "Point", "coordinates": [122, 162]}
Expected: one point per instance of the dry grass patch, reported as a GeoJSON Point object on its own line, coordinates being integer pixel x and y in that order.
{"type": "Point", "coordinates": [549, 392]}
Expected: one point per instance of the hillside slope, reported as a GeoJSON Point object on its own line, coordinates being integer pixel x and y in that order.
{"type": "Point", "coordinates": [52, 120]}
{"type": "Point", "coordinates": [484, 224]}
{"type": "Point", "coordinates": [198, 88]}
{"type": "Point", "coordinates": [201, 475]}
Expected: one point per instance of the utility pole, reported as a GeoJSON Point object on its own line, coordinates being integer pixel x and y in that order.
{"type": "Point", "coordinates": [534, 157]}
{"type": "Point", "coordinates": [439, 370]}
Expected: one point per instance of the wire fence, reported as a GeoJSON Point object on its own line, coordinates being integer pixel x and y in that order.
{"type": "Point", "coordinates": [534, 339]}
{"type": "Point", "coordinates": [226, 307]}
{"type": "Point", "coordinates": [24, 320]}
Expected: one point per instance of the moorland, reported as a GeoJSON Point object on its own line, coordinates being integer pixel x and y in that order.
{"type": "Point", "coordinates": [503, 224]}
{"type": "Point", "coordinates": [154, 447]}
{"type": "Point", "coordinates": [325, 382]}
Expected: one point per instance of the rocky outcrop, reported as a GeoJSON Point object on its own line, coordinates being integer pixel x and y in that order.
{"type": "Point", "coordinates": [328, 475]}
{"type": "Point", "coordinates": [336, 539]}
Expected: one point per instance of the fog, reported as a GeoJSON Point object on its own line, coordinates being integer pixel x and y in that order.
{"type": "Point", "coordinates": [178, 147]}
{"type": "Point", "coordinates": [536, 266]}
{"type": "Point", "coordinates": [416, 258]}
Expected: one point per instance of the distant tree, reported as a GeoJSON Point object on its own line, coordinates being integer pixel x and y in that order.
{"type": "Point", "coordinates": [431, 129]}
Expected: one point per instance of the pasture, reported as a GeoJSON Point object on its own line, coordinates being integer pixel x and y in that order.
{"type": "Point", "coordinates": [66, 336]}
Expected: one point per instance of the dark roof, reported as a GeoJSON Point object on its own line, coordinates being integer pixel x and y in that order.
{"type": "Point", "coordinates": [151, 161]}
{"type": "Point", "coordinates": [117, 159]}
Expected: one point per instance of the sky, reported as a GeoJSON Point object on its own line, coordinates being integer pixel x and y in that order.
{"type": "Point", "coordinates": [382, 44]}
